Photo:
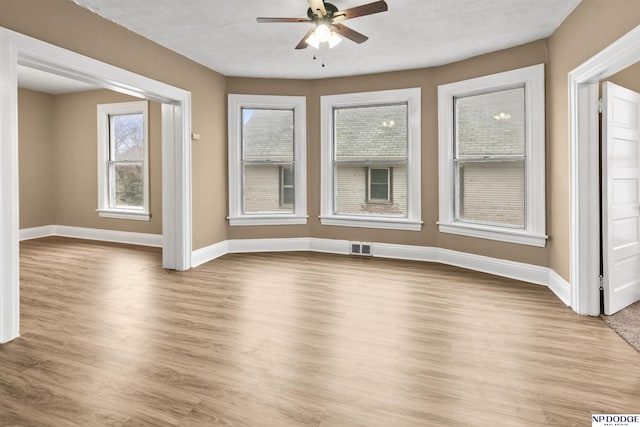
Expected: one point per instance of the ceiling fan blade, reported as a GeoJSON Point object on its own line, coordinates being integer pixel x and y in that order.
{"type": "Point", "coordinates": [303, 43]}
{"type": "Point", "coordinates": [365, 9]}
{"type": "Point", "coordinates": [317, 6]}
{"type": "Point", "coordinates": [264, 20]}
{"type": "Point", "coordinates": [350, 34]}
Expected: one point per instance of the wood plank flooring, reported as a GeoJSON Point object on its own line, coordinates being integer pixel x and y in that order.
{"type": "Point", "coordinates": [298, 339]}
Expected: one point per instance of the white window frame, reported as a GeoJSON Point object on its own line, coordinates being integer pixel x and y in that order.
{"type": "Point", "coordinates": [104, 185]}
{"type": "Point", "coordinates": [389, 185]}
{"type": "Point", "coordinates": [410, 96]}
{"type": "Point", "coordinates": [235, 105]}
{"type": "Point", "coordinates": [532, 78]}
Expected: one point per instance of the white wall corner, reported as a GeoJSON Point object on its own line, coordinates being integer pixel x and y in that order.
{"type": "Point", "coordinates": [209, 253]}
{"type": "Point", "coordinates": [9, 189]}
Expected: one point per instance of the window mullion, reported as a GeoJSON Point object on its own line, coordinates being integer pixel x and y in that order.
{"type": "Point", "coordinates": [370, 162]}
{"type": "Point", "coordinates": [267, 162]}
{"type": "Point", "coordinates": [489, 159]}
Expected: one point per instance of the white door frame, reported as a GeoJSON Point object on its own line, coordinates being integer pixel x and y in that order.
{"type": "Point", "coordinates": [16, 48]}
{"type": "Point", "coordinates": [584, 146]}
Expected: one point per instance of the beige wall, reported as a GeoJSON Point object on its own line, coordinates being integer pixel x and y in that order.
{"type": "Point", "coordinates": [428, 80]}
{"type": "Point", "coordinates": [65, 24]}
{"type": "Point", "coordinates": [35, 130]}
{"type": "Point", "coordinates": [592, 26]}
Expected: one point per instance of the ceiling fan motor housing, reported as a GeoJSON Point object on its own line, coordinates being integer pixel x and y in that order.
{"type": "Point", "coordinates": [331, 10]}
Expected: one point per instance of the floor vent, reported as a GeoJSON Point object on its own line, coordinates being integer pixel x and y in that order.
{"type": "Point", "coordinates": [359, 248]}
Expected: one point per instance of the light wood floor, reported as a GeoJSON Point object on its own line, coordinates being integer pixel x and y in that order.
{"type": "Point", "coordinates": [300, 339]}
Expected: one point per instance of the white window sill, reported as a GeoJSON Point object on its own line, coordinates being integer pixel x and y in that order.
{"type": "Point", "coordinates": [493, 233]}
{"type": "Point", "coordinates": [268, 220]}
{"type": "Point", "coordinates": [124, 214]}
{"type": "Point", "coordinates": [372, 222]}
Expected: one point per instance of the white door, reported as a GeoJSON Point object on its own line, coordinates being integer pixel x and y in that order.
{"type": "Point", "coordinates": [620, 197]}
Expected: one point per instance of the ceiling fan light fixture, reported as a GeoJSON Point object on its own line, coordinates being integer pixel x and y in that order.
{"type": "Point", "coordinates": [312, 40]}
{"type": "Point", "coordinates": [323, 33]}
{"type": "Point", "coordinates": [334, 40]}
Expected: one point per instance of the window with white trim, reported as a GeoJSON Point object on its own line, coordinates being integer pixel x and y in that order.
{"type": "Point", "coordinates": [491, 157]}
{"type": "Point", "coordinates": [371, 159]}
{"type": "Point", "coordinates": [267, 160]}
{"type": "Point", "coordinates": [123, 160]}
{"type": "Point", "coordinates": [379, 185]}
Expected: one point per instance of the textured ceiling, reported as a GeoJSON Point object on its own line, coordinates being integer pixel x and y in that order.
{"type": "Point", "coordinates": [224, 35]}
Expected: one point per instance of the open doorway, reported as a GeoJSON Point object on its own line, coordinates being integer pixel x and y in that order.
{"type": "Point", "coordinates": [585, 174]}
{"type": "Point", "coordinates": [61, 170]}
{"type": "Point", "coordinates": [620, 218]}
{"type": "Point", "coordinates": [17, 49]}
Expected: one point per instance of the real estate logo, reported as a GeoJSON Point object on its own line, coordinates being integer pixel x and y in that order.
{"type": "Point", "coordinates": [615, 420]}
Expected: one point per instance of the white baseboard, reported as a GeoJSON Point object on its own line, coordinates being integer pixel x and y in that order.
{"type": "Point", "coordinates": [329, 246]}
{"type": "Point", "coordinates": [269, 245]}
{"type": "Point", "coordinates": [36, 232]}
{"type": "Point", "coordinates": [499, 267]}
{"type": "Point", "coordinates": [142, 239]}
{"type": "Point", "coordinates": [514, 270]}
{"type": "Point", "coordinates": [560, 287]}
{"type": "Point", "coordinates": [209, 253]}
{"type": "Point", "coordinates": [408, 252]}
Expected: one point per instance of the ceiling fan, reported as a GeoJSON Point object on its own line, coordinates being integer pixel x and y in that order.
{"type": "Point", "coordinates": [327, 22]}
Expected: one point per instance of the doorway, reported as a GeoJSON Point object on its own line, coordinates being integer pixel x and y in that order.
{"type": "Point", "coordinates": [18, 49]}
{"type": "Point", "coordinates": [585, 175]}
